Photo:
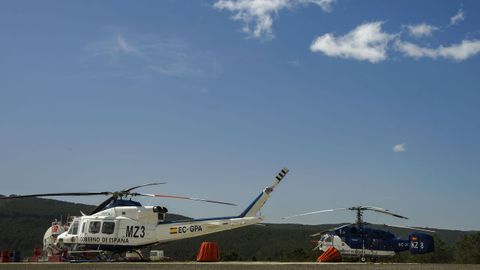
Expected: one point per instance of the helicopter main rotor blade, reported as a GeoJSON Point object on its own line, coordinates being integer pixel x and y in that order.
{"type": "Point", "coordinates": [102, 205]}
{"type": "Point", "coordinates": [409, 228]}
{"type": "Point", "coordinates": [118, 194]}
{"type": "Point", "coordinates": [383, 211]}
{"type": "Point", "coordinates": [181, 197]}
{"type": "Point", "coordinates": [315, 212]}
{"type": "Point", "coordinates": [318, 233]}
{"type": "Point", "coordinates": [123, 192]}
{"type": "Point", "coordinates": [144, 185]}
{"type": "Point", "coordinates": [56, 194]}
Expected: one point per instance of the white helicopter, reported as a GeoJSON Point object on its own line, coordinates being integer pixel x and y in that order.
{"type": "Point", "coordinates": [120, 224]}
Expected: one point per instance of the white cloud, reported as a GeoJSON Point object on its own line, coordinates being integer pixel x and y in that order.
{"type": "Point", "coordinates": [149, 53]}
{"type": "Point", "coordinates": [457, 18]}
{"type": "Point", "coordinates": [398, 148]}
{"type": "Point", "coordinates": [459, 52]}
{"type": "Point", "coordinates": [114, 46]}
{"type": "Point", "coordinates": [365, 42]}
{"type": "Point", "coordinates": [421, 30]}
{"type": "Point", "coordinates": [123, 46]}
{"type": "Point", "coordinates": [257, 15]}
{"type": "Point", "coordinates": [294, 62]}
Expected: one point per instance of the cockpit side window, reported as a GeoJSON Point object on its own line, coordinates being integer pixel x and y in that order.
{"type": "Point", "coordinates": [74, 228]}
{"type": "Point", "coordinates": [108, 227]}
{"type": "Point", "coordinates": [161, 218]}
{"type": "Point", "coordinates": [83, 227]}
{"type": "Point", "coordinates": [94, 227]}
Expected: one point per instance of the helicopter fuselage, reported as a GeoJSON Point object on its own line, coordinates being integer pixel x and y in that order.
{"type": "Point", "coordinates": [125, 227]}
{"type": "Point", "coordinates": [353, 241]}
{"type": "Point", "coordinates": [372, 243]}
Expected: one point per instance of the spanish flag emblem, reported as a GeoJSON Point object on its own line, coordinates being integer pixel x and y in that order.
{"type": "Point", "coordinates": [173, 230]}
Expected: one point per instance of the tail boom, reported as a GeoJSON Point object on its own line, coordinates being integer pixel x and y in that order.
{"type": "Point", "coordinates": [197, 227]}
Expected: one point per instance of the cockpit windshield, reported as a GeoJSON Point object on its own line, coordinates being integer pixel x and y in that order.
{"type": "Point", "coordinates": [73, 228]}
{"type": "Point", "coordinates": [326, 238]}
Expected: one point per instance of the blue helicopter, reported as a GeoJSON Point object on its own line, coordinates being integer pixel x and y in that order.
{"type": "Point", "coordinates": [357, 240]}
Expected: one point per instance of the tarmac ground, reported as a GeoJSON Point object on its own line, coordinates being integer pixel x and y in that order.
{"type": "Point", "coordinates": [234, 266]}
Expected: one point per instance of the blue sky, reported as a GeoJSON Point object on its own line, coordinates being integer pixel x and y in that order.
{"type": "Point", "coordinates": [373, 103]}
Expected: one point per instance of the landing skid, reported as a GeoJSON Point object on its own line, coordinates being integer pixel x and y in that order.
{"type": "Point", "coordinates": [77, 256]}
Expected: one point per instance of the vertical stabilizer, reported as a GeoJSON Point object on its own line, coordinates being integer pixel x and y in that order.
{"type": "Point", "coordinates": [258, 203]}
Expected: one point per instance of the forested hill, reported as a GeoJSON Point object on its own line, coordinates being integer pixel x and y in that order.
{"type": "Point", "coordinates": [23, 223]}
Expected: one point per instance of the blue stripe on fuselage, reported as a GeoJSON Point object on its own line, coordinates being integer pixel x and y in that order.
{"type": "Point", "coordinates": [244, 213]}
